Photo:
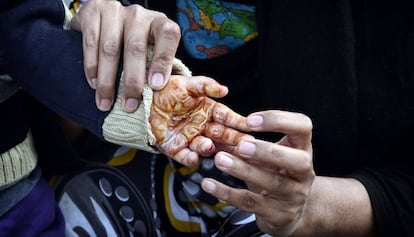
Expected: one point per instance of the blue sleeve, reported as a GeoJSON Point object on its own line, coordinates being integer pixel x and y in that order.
{"type": "Point", "coordinates": [47, 60]}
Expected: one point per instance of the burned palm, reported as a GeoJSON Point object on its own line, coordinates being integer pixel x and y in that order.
{"type": "Point", "coordinates": [184, 119]}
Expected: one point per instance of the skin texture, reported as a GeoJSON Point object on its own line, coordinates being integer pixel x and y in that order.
{"type": "Point", "coordinates": [108, 28]}
{"type": "Point", "coordinates": [185, 121]}
{"type": "Point", "coordinates": [283, 191]}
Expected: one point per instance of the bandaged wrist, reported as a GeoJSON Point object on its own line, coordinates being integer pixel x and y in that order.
{"type": "Point", "coordinates": [131, 129]}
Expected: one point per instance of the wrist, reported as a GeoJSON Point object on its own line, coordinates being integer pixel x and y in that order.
{"type": "Point", "coordinates": [336, 207]}
{"type": "Point", "coordinates": [131, 129]}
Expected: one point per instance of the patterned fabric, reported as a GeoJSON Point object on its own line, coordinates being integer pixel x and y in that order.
{"type": "Point", "coordinates": [213, 28]}
{"type": "Point", "coordinates": [142, 194]}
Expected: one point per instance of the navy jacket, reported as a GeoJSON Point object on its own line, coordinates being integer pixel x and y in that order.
{"type": "Point", "coordinates": [46, 61]}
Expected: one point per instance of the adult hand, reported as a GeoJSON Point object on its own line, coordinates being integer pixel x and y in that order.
{"type": "Point", "coordinates": [110, 28]}
{"type": "Point", "coordinates": [184, 119]}
{"type": "Point", "coordinates": [279, 176]}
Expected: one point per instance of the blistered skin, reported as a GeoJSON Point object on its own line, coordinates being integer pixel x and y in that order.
{"type": "Point", "coordinates": [184, 119]}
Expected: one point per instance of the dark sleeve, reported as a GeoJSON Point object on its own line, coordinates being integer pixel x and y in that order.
{"type": "Point", "coordinates": [47, 60]}
{"type": "Point", "coordinates": [391, 192]}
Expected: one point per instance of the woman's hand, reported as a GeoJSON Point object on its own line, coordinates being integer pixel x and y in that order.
{"type": "Point", "coordinates": [109, 28]}
{"type": "Point", "coordinates": [279, 176]}
{"type": "Point", "coordinates": [184, 119]}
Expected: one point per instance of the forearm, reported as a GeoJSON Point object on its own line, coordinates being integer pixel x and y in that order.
{"type": "Point", "coordinates": [337, 207]}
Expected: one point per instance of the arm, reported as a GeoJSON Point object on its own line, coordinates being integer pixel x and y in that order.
{"type": "Point", "coordinates": [46, 60]}
{"type": "Point", "coordinates": [339, 206]}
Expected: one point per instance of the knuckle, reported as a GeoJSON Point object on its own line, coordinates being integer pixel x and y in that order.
{"type": "Point", "coordinates": [248, 201]}
{"type": "Point", "coordinates": [110, 48]}
{"type": "Point", "coordinates": [135, 10]}
{"type": "Point", "coordinates": [306, 163]}
{"type": "Point", "coordinates": [91, 70]}
{"type": "Point", "coordinates": [171, 30]}
{"type": "Point", "coordinates": [136, 47]}
{"type": "Point", "coordinates": [91, 39]}
{"type": "Point", "coordinates": [132, 84]}
{"type": "Point", "coordinates": [214, 131]}
{"type": "Point", "coordinates": [105, 86]}
{"type": "Point", "coordinates": [163, 60]}
{"type": "Point", "coordinates": [246, 171]}
{"type": "Point", "coordinates": [160, 14]}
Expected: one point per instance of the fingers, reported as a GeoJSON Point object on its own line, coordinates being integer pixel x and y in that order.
{"type": "Point", "coordinates": [296, 126]}
{"type": "Point", "coordinates": [294, 162]}
{"type": "Point", "coordinates": [101, 23]}
{"type": "Point", "coordinates": [90, 38]}
{"type": "Point", "coordinates": [199, 146]}
{"type": "Point", "coordinates": [109, 28]}
{"type": "Point", "coordinates": [220, 133]}
{"type": "Point", "coordinates": [143, 28]}
{"type": "Point", "coordinates": [272, 215]}
{"type": "Point", "coordinates": [241, 198]}
{"type": "Point", "coordinates": [203, 86]}
{"type": "Point", "coordinates": [189, 156]}
{"type": "Point", "coordinates": [202, 145]}
{"type": "Point", "coordinates": [224, 115]}
{"type": "Point", "coordinates": [135, 57]}
{"type": "Point", "coordinates": [165, 35]}
{"type": "Point", "coordinates": [278, 182]}
{"type": "Point", "coordinates": [232, 149]}
{"type": "Point", "coordinates": [272, 172]}
{"type": "Point", "coordinates": [109, 54]}
{"type": "Point", "coordinates": [186, 157]}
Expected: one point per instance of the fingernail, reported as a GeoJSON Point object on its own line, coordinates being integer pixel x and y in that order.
{"type": "Point", "coordinates": [225, 161]}
{"type": "Point", "coordinates": [105, 104]}
{"type": "Point", "coordinates": [131, 104]}
{"type": "Point", "coordinates": [247, 148]}
{"type": "Point", "coordinates": [255, 121]}
{"type": "Point", "coordinates": [93, 83]}
{"type": "Point", "coordinates": [225, 90]}
{"type": "Point", "coordinates": [208, 186]}
{"type": "Point", "coordinates": [157, 80]}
